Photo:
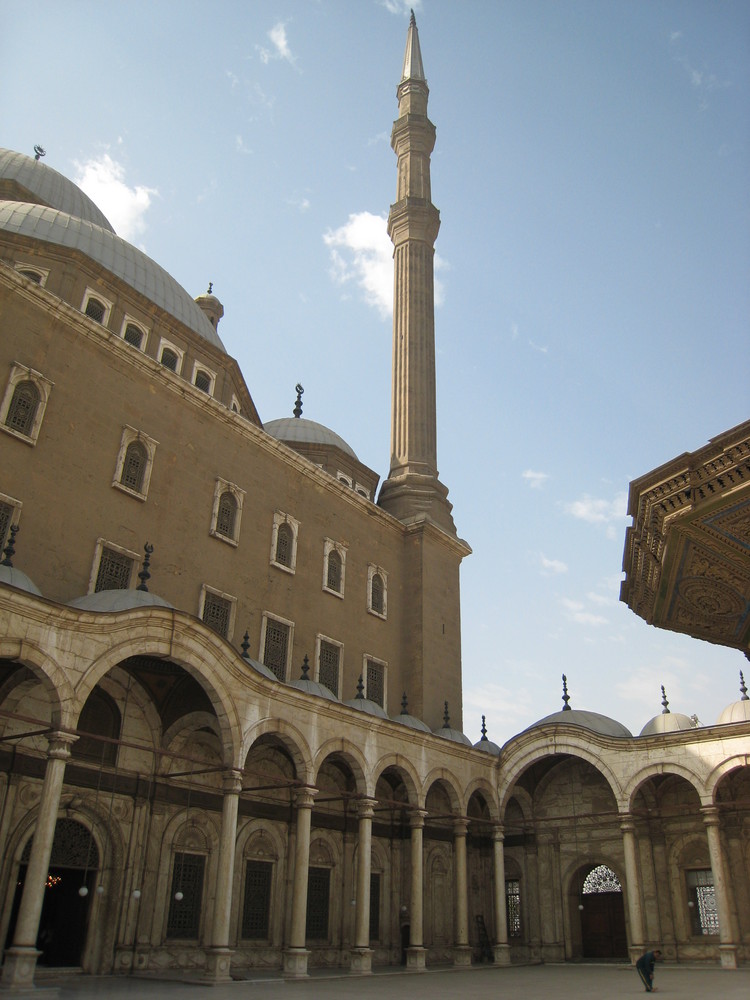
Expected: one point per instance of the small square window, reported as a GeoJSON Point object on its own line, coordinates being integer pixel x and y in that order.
{"type": "Point", "coordinates": [375, 681]}
{"type": "Point", "coordinates": [115, 568]}
{"type": "Point", "coordinates": [330, 656]}
{"type": "Point", "coordinates": [217, 611]}
{"type": "Point", "coordinates": [276, 645]}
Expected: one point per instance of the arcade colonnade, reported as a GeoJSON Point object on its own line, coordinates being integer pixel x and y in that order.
{"type": "Point", "coordinates": [190, 812]}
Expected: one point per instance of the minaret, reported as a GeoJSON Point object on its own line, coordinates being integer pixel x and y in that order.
{"type": "Point", "coordinates": [412, 490]}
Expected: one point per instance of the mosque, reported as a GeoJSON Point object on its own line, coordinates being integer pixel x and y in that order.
{"type": "Point", "coordinates": [230, 685]}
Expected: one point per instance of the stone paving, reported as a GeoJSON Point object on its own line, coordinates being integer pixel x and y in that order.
{"type": "Point", "coordinates": [541, 982]}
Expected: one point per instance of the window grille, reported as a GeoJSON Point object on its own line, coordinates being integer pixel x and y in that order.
{"type": "Point", "coordinates": [284, 545]}
{"type": "Point", "coordinates": [328, 667]}
{"type": "Point", "coordinates": [513, 906]}
{"type": "Point", "coordinates": [23, 407]}
{"type": "Point", "coordinates": [226, 514]}
{"type": "Point", "coordinates": [95, 310]}
{"type": "Point", "coordinates": [701, 893]}
{"type": "Point", "coordinates": [169, 359]}
{"type": "Point", "coordinates": [374, 906]}
{"type": "Point", "coordinates": [377, 598]}
{"type": "Point", "coordinates": [6, 519]}
{"type": "Point", "coordinates": [318, 891]}
{"type": "Point", "coordinates": [257, 905]}
{"type": "Point", "coordinates": [100, 716]}
{"type": "Point", "coordinates": [333, 576]}
{"type": "Point", "coordinates": [134, 467]}
{"type": "Point", "coordinates": [375, 679]}
{"type": "Point", "coordinates": [72, 847]}
{"type": "Point", "coordinates": [34, 276]}
{"type": "Point", "coordinates": [133, 335]}
{"type": "Point", "coordinates": [276, 647]}
{"type": "Point", "coordinates": [185, 914]}
{"type": "Point", "coordinates": [601, 879]}
{"type": "Point", "coordinates": [115, 571]}
{"type": "Point", "coordinates": [202, 381]}
{"type": "Point", "coordinates": [217, 613]}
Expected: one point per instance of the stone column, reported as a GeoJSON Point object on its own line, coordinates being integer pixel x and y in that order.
{"type": "Point", "coordinates": [727, 948]}
{"type": "Point", "coordinates": [219, 955]}
{"type": "Point", "coordinates": [501, 947]}
{"type": "Point", "coordinates": [296, 955]}
{"type": "Point", "coordinates": [20, 958]}
{"type": "Point", "coordinates": [416, 953]}
{"type": "Point", "coordinates": [461, 949]}
{"type": "Point", "coordinates": [635, 912]}
{"type": "Point", "coordinates": [361, 954]}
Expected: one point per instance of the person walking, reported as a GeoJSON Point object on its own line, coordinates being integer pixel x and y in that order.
{"type": "Point", "coordinates": [645, 968]}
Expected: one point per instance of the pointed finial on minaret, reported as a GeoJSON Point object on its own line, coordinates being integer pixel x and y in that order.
{"type": "Point", "coordinates": [665, 703]}
{"type": "Point", "coordinates": [404, 704]}
{"type": "Point", "coordinates": [305, 669]}
{"type": "Point", "coordinates": [245, 644]}
{"type": "Point", "coordinates": [360, 688]}
{"type": "Point", "coordinates": [144, 573]}
{"type": "Point", "coordinates": [743, 688]}
{"type": "Point", "coordinates": [484, 731]}
{"type": "Point", "coordinates": [565, 695]}
{"type": "Point", "coordinates": [297, 411]}
{"type": "Point", "coordinates": [10, 549]}
{"type": "Point", "coordinates": [446, 718]}
{"type": "Point", "coordinates": [413, 68]}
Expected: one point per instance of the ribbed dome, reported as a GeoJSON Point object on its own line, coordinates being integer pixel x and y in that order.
{"type": "Point", "coordinates": [592, 721]}
{"type": "Point", "coordinates": [47, 187]}
{"type": "Point", "coordinates": [16, 578]}
{"type": "Point", "coordinates": [118, 600]}
{"type": "Point", "coordinates": [297, 430]}
{"type": "Point", "coordinates": [50, 225]}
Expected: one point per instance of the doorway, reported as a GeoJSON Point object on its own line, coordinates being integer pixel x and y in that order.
{"type": "Point", "coordinates": [603, 932]}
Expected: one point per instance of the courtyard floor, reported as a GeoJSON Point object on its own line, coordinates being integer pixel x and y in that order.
{"type": "Point", "coordinates": [539, 982]}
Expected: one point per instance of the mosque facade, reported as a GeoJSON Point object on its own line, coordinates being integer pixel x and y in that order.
{"type": "Point", "coordinates": [230, 682]}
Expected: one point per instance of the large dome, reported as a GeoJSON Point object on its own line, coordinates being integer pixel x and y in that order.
{"type": "Point", "coordinates": [592, 721]}
{"type": "Point", "coordinates": [297, 430]}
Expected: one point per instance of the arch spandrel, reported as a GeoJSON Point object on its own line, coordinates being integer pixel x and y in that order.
{"type": "Point", "coordinates": [52, 676]}
{"type": "Point", "coordinates": [290, 738]}
{"type": "Point", "coordinates": [354, 759]}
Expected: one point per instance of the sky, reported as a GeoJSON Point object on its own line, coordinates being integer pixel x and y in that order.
{"type": "Point", "coordinates": [592, 171]}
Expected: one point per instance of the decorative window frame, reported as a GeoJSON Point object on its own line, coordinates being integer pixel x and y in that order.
{"type": "Point", "coordinates": [372, 569]}
{"type": "Point", "coordinates": [319, 639]}
{"type": "Point", "coordinates": [15, 516]}
{"type": "Point", "coordinates": [345, 480]}
{"type": "Point", "coordinates": [369, 658]}
{"type": "Point", "coordinates": [205, 589]}
{"type": "Point", "coordinates": [280, 518]}
{"type": "Point", "coordinates": [103, 543]}
{"type": "Point", "coordinates": [42, 272]}
{"type": "Point", "coordinates": [175, 349]}
{"type": "Point", "coordinates": [198, 366]}
{"type": "Point", "coordinates": [129, 435]}
{"type": "Point", "coordinates": [21, 373]}
{"type": "Point", "coordinates": [130, 321]}
{"type": "Point", "coordinates": [266, 617]}
{"type": "Point", "coordinates": [234, 406]}
{"type": "Point", "coordinates": [361, 491]}
{"type": "Point", "coordinates": [94, 293]}
{"type": "Point", "coordinates": [224, 486]}
{"type": "Point", "coordinates": [330, 546]}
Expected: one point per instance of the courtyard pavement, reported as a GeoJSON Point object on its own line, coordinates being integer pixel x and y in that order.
{"type": "Point", "coordinates": [539, 982]}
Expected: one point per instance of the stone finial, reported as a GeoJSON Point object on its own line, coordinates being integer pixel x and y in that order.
{"type": "Point", "coordinates": [565, 695]}
{"type": "Point", "coordinates": [10, 549]}
{"type": "Point", "coordinates": [412, 19]}
{"type": "Point", "coordinates": [446, 718]}
{"type": "Point", "coordinates": [484, 731]}
{"type": "Point", "coordinates": [144, 574]}
{"type": "Point", "coordinates": [305, 669]}
{"type": "Point", "coordinates": [297, 411]}
{"type": "Point", "coordinates": [743, 688]}
{"type": "Point", "coordinates": [360, 688]}
{"type": "Point", "coordinates": [39, 152]}
{"type": "Point", "coordinates": [664, 702]}
{"type": "Point", "coordinates": [404, 704]}
{"type": "Point", "coordinates": [245, 644]}
{"type": "Point", "coordinates": [210, 290]}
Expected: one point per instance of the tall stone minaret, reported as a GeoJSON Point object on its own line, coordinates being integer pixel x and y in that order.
{"type": "Point", "coordinates": [412, 490]}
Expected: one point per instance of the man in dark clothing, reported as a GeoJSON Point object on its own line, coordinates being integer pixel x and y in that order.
{"type": "Point", "coordinates": [645, 967]}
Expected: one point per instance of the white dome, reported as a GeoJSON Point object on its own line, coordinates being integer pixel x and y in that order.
{"type": "Point", "coordinates": [297, 430]}
{"type": "Point", "coordinates": [586, 720]}
{"type": "Point", "coordinates": [667, 722]}
{"type": "Point", "coordinates": [118, 600]}
{"type": "Point", "coordinates": [738, 711]}
{"type": "Point", "coordinates": [16, 578]}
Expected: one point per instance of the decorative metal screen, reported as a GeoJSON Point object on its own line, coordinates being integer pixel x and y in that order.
{"type": "Point", "coordinates": [328, 668]}
{"type": "Point", "coordinates": [6, 517]}
{"type": "Point", "coordinates": [375, 677]}
{"type": "Point", "coordinates": [318, 891]}
{"type": "Point", "coordinates": [378, 594]}
{"type": "Point", "coordinates": [22, 409]}
{"type": "Point", "coordinates": [276, 647]}
{"type": "Point", "coordinates": [96, 310]}
{"type": "Point", "coordinates": [513, 906]}
{"type": "Point", "coordinates": [185, 914]}
{"type": "Point", "coordinates": [226, 515]}
{"type": "Point", "coordinates": [601, 879]}
{"type": "Point", "coordinates": [115, 571]}
{"type": "Point", "coordinates": [374, 906]}
{"type": "Point", "coordinates": [134, 467]}
{"type": "Point", "coordinates": [202, 381]}
{"type": "Point", "coordinates": [133, 335]}
{"type": "Point", "coordinates": [169, 359]}
{"type": "Point", "coordinates": [333, 575]}
{"type": "Point", "coordinates": [72, 847]}
{"type": "Point", "coordinates": [216, 613]}
{"type": "Point", "coordinates": [284, 543]}
{"type": "Point", "coordinates": [701, 893]}
{"type": "Point", "coordinates": [257, 906]}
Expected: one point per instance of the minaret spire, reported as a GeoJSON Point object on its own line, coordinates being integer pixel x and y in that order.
{"type": "Point", "coordinates": [412, 490]}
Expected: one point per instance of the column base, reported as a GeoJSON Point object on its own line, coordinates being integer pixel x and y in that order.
{"type": "Point", "coordinates": [728, 956]}
{"type": "Point", "coordinates": [361, 959]}
{"type": "Point", "coordinates": [18, 969]}
{"type": "Point", "coordinates": [295, 963]}
{"type": "Point", "coordinates": [416, 959]}
{"type": "Point", "coordinates": [462, 955]}
{"type": "Point", "coordinates": [218, 965]}
{"type": "Point", "coordinates": [501, 953]}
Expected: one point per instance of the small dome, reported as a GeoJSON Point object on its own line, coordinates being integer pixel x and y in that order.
{"type": "Point", "coordinates": [586, 720]}
{"type": "Point", "coordinates": [313, 687]}
{"type": "Point", "coordinates": [738, 711]}
{"type": "Point", "coordinates": [16, 578]}
{"type": "Point", "coordinates": [485, 744]}
{"type": "Point", "coordinates": [452, 734]}
{"type": "Point", "coordinates": [297, 430]}
{"type": "Point", "coordinates": [412, 722]}
{"type": "Point", "coordinates": [367, 706]}
{"type": "Point", "coordinates": [118, 600]}
{"type": "Point", "coordinates": [667, 722]}
{"type": "Point", "coordinates": [261, 668]}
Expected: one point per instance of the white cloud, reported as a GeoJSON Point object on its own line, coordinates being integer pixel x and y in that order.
{"type": "Point", "coordinates": [609, 514]}
{"type": "Point", "coordinates": [504, 707]}
{"type": "Point", "coordinates": [576, 612]}
{"type": "Point", "coordinates": [401, 6]}
{"type": "Point", "coordinates": [536, 480]}
{"type": "Point", "coordinates": [552, 566]}
{"type": "Point", "coordinates": [299, 202]}
{"type": "Point", "coordinates": [361, 252]}
{"type": "Point", "coordinates": [103, 180]}
{"type": "Point", "coordinates": [280, 46]}
{"type": "Point", "coordinates": [538, 347]}
{"type": "Point", "coordinates": [240, 146]}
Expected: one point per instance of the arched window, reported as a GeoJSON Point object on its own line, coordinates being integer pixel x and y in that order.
{"type": "Point", "coordinates": [34, 276]}
{"type": "Point", "coordinates": [202, 381]}
{"type": "Point", "coordinates": [333, 576]}
{"type": "Point", "coordinates": [226, 516]}
{"type": "Point", "coordinates": [134, 467]}
{"type": "Point", "coordinates": [95, 309]}
{"type": "Point", "coordinates": [169, 359]}
{"type": "Point", "coordinates": [133, 335]}
{"type": "Point", "coordinates": [284, 544]}
{"type": "Point", "coordinates": [23, 407]}
{"type": "Point", "coordinates": [378, 594]}
{"type": "Point", "coordinates": [100, 716]}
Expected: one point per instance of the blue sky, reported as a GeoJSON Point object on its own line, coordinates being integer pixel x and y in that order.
{"type": "Point", "coordinates": [592, 170]}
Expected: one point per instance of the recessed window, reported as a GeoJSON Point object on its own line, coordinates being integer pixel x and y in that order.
{"type": "Point", "coordinates": [362, 491]}
{"type": "Point", "coordinates": [276, 645]}
{"type": "Point", "coordinates": [377, 591]}
{"type": "Point", "coordinates": [330, 655]}
{"type": "Point", "coordinates": [96, 307]}
{"type": "Point", "coordinates": [375, 680]}
{"type": "Point", "coordinates": [343, 478]}
{"type": "Point", "coordinates": [170, 356]}
{"type": "Point", "coordinates": [115, 567]}
{"type": "Point", "coordinates": [23, 407]}
{"type": "Point", "coordinates": [704, 916]}
{"type": "Point", "coordinates": [284, 541]}
{"type": "Point", "coordinates": [256, 909]}
{"type": "Point", "coordinates": [334, 565]}
{"type": "Point", "coordinates": [134, 463]}
{"type": "Point", "coordinates": [37, 275]}
{"type": "Point", "coordinates": [24, 403]}
{"type": "Point", "coordinates": [318, 902]}
{"type": "Point", "coordinates": [513, 906]}
{"type": "Point", "coordinates": [227, 511]}
{"type": "Point", "coordinates": [187, 882]}
{"type": "Point", "coordinates": [217, 611]}
{"type": "Point", "coordinates": [235, 404]}
{"type": "Point", "coordinates": [133, 334]}
{"type": "Point", "coordinates": [203, 379]}
{"type": "Point", "coordinates": [134, 467]}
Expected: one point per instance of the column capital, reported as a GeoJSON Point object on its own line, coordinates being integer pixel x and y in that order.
{"type": "Point", "coordinates": [498, 833]}
{"type": "Point", "coordinates": [627, 823]}
{"type": "Point", "coordinates": [232, 781]}
{"type": "Point", "coordinates": [710, 815]}
{"type": "Point", "coordinates": [417, 818]}
{"type": "Point", "coordinates": [366, 808]}
{"type": "Point", "coordinates": [460, 826]}
{"type": "Point", "coordinates": [304, 798]}
{"type": "Point", "coordinates": [59, 744]}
